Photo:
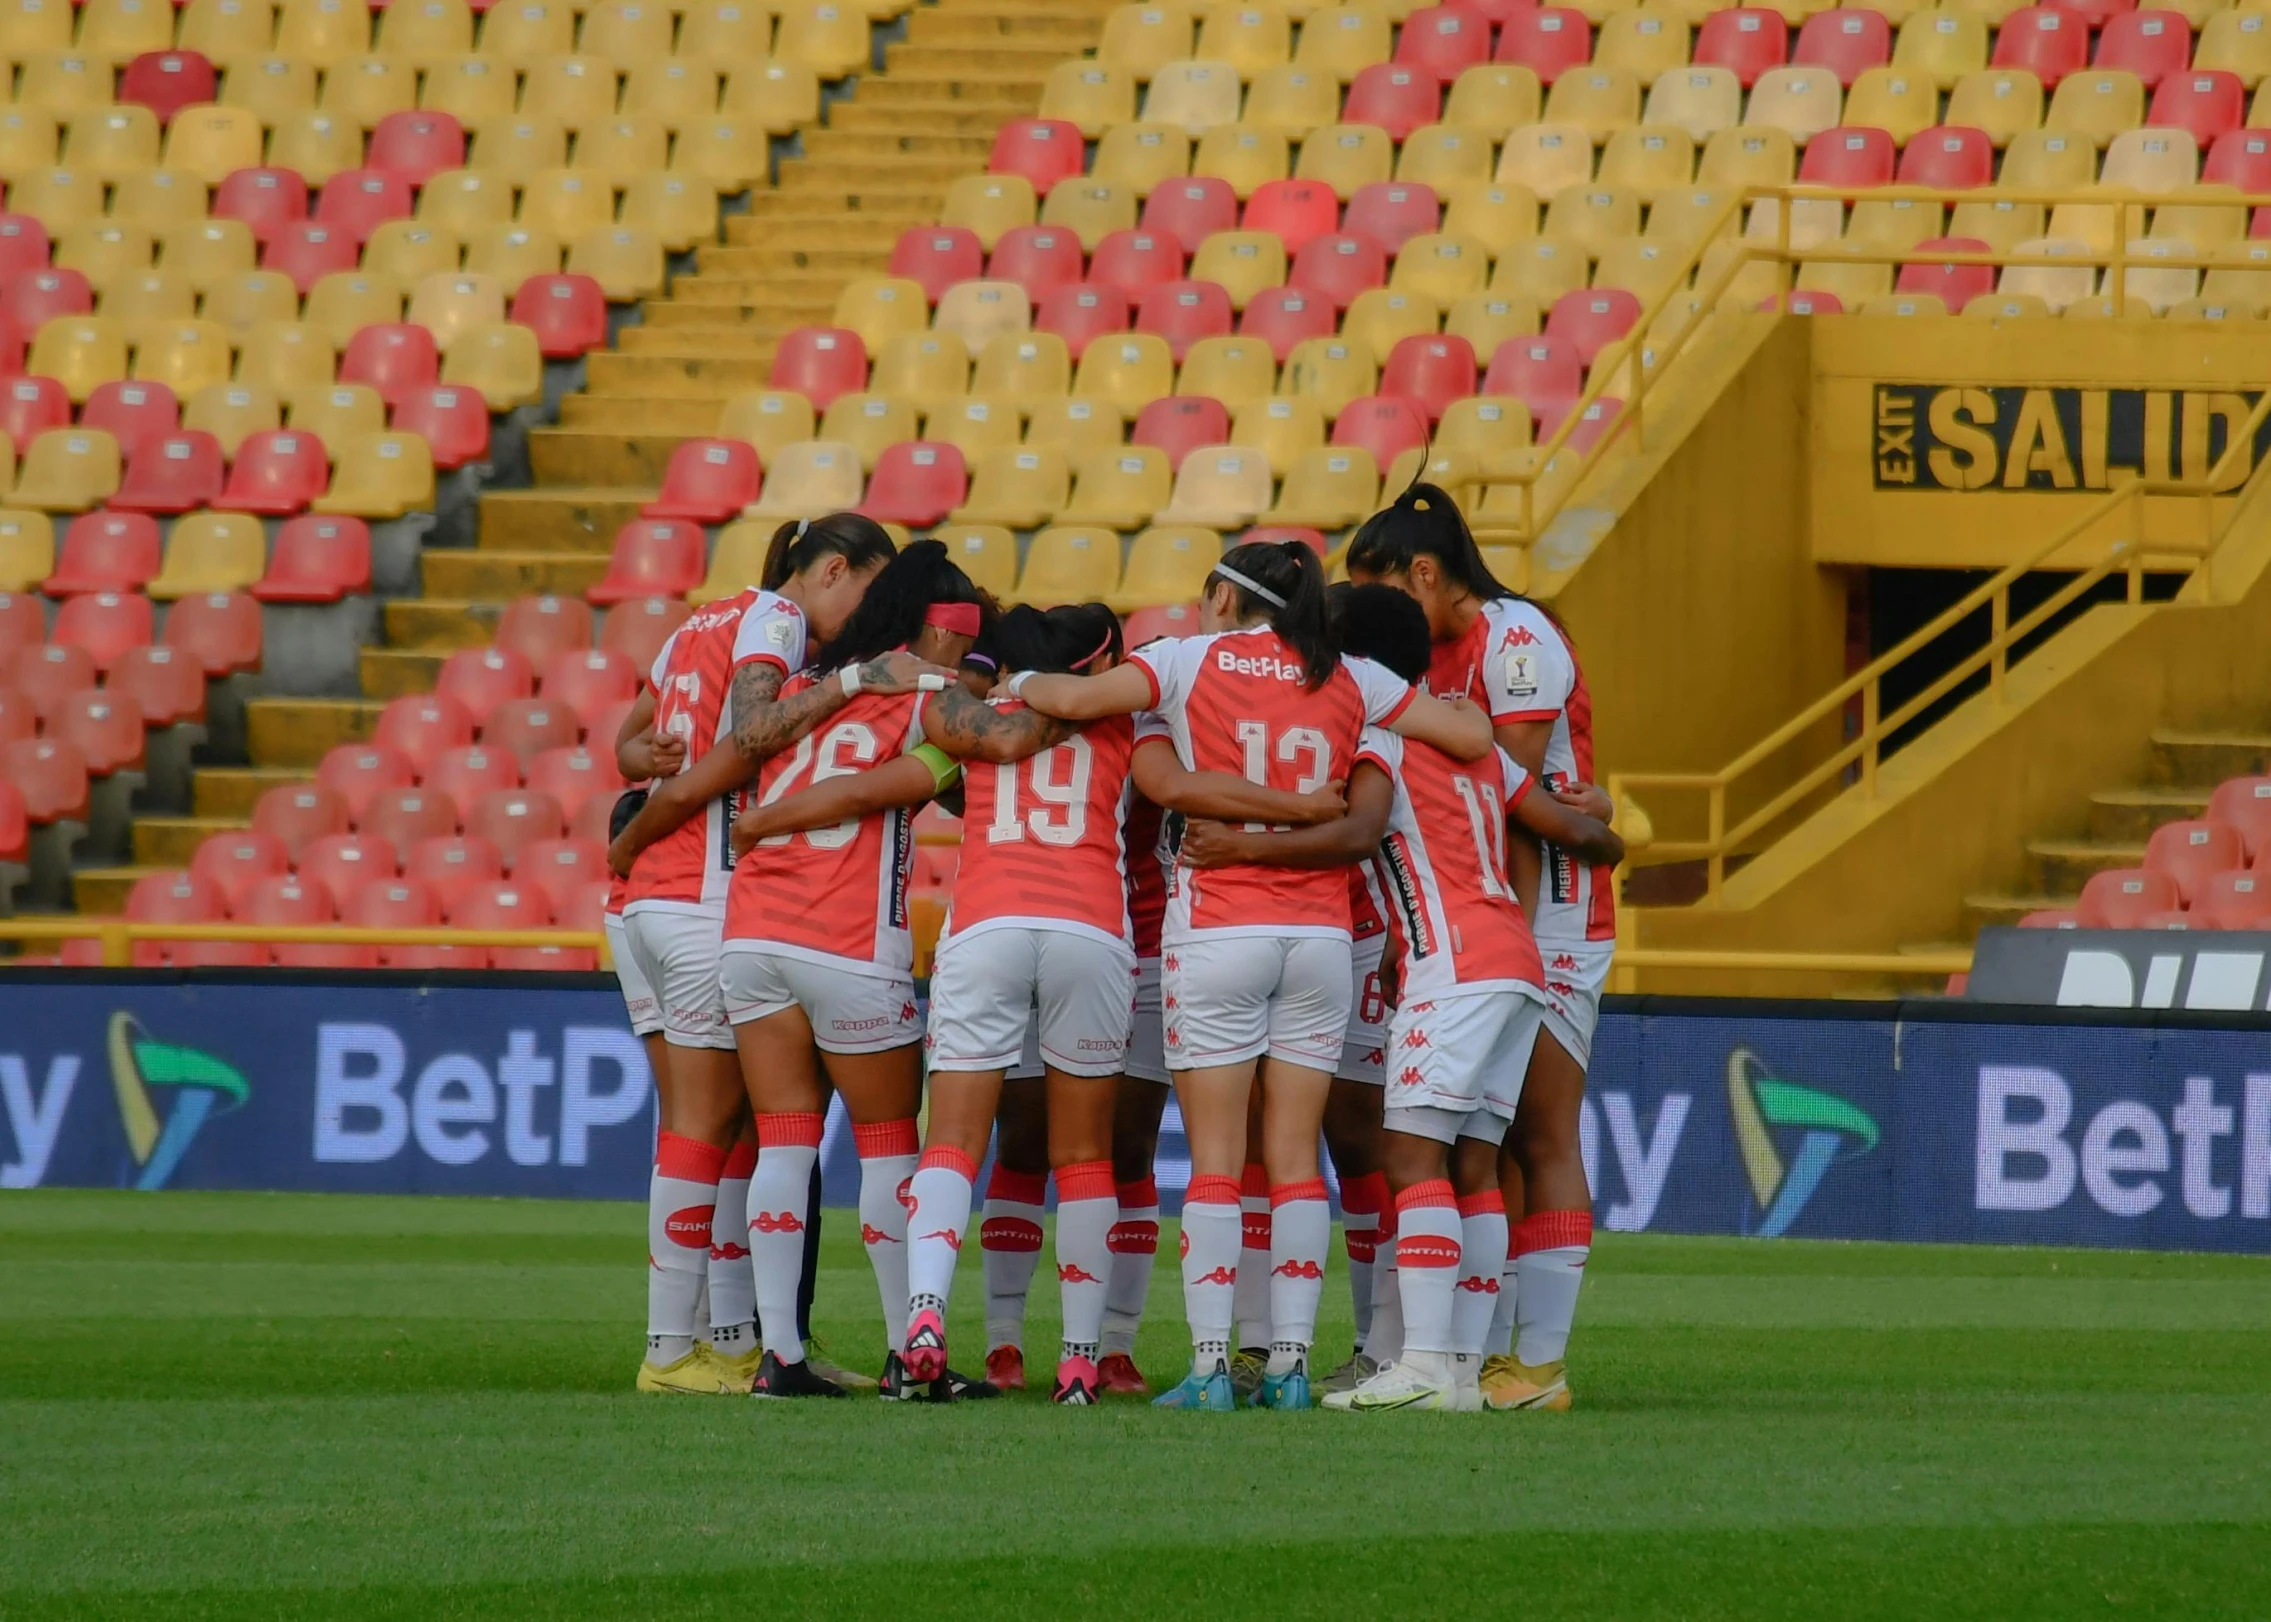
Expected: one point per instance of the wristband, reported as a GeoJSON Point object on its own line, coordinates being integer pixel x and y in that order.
{"type": "Point", "coordinates": [849, 676]}
{"type": "Point", "coordinates": [1016, 684]}
{"type": "Point", "coordinates": [931, 682]}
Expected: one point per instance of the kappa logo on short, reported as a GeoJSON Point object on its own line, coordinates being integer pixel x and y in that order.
{"type": "Point", "coordinates": [1410, 1077]}
{"type": "Point", "coordinates": [689, 1226]}
{"type": "Point", "coordinates": [1413, 1039]}
{"type": "Point", "coordinates": [1297, 1269]}
{"type": "Point", "coordinates": [776, 1222]}
{"type": "Point", "coordinates": [1375, 1056]}
{"type": "Point", "coordinates": [1174, 1037]}
{"type": "Point", "coordinates": [907, 1012]}
{"type": "Point", "coordinates": [1169, 1002]}
{"type": "Point", "coordinates": [1422, 1008]}
{"type": "Point", "coordinates": [1171, 963]}
{"type": "Point", "coordinates": [1561, 988]}
{"type": "Point", "coordinates": [1074, 1273]}
{"type": "Point", "coordinates": [1563, 963]}
{"type": "Point", "coordinates": [872, 1235]}
{"type": "Point", "coordinates": [953, 1239]}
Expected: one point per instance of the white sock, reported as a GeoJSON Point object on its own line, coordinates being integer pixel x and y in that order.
{"type": "Point", "coordinates": [1086, 1210]}
{"type": "Point", "coordinates": [732, 1281]}
{"type": "Point", "coordinates": [941, 1192]}
{"type": "Point", "coordinates": [682, 1195]}
{"type": "Point", "coordinates": [1301, 1229]}
{"type": "Point", "coordinates": [888, 1151]}
{"type": "Point", "coordinates": [1384, 1341]}
{"type": "Point", "coordinates": [1361, 1199]}
{"type": "Point", "coordinates": [1501, 1341]}
{"type": "Point", "coordinates": [1210, 1264]}
{"type": "Point", "coordinates": [1252, 1301]}
{"type": "Point", "coordinates": [1009, 1236]}
{"type": "Point", "coordinates": [1551, 1248]}
{"type": "Point", "coordinates": [1427, 1264]}
{"type": "Point", "coordinates": [1482, 1257]}
{"type": "Point", "coordinates": [788, 1146]}
{"type": "Point", "coordinates": [1134, 1243]}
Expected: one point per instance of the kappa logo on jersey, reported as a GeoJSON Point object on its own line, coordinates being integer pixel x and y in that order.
{"type": "Point", "coordinates": [1414, 1039]}
{"type": "Point", "coordinates": [1476, 1284]}
{"type": "Point", "coordinates": [1297, 1269]}
{"type": "Point", "coordinates": [1074, 1273]}
{"type": "Point", "coordinates": [728, 1252]}
{"type": "Point", "coordinates": [1169, 1003]}
{"type": "Point", "coordinates": [1220, 1275]}
{"type": "Point", "coordinates": [689, 1226]}
{"type": "Point", "coordinates": [1518, 636]}
{"type": "Point", "coordinates": [872, 1235]}
{"type": "Point", "coordinates": [1423, 1008]}
{"type": "Point", "coordinates": [953, 1239]}
{"type": "Point", "coordinates": [776, 1222]}
{"type": "Point", "coordinates": [1563, 963]}
{"type": "Point", "coordinates": [1174, 1037]}
{"type": "Point", "coordinates": [1375, 1056]}
{"type": "Point", "coordinates": [1395, 857]}
{"type": "Point", "coordinates": [1561, 988]}
{"type": "Point", "coordinates": [1410, 1077]}
{"type": "Point", "coordinates": [1171, 963]}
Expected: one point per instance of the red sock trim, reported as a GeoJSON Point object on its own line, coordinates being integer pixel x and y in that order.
{"type": "Point", "coordinates": [1085, 1180]}
{"type": "Point", "coordinates": [1140, 1196]}
{"type": "Point", "coordinates": [1255, 1183]}
{"type": "Point", "coordinates": [945, 1157]}
{"type": "Point", "coordinates": [1487, 1203]}
{"type": "Point", "coordinates": [1017, 1187]}
{"type": "Point", "coordinates": [1312, 1189]}
{"type": "Point", "coordinates": [740, 1161]}
{"type": "Point", "coordinates": [798, 1131]}
{"type": "Point", "coordinates": [689, 1160]}
{"type": "Point", "coordinates": [1553, 1230]}
{"type": "Point", "coordinates": [1211, 1190]}
{"type": "Point", "coordinates": [1435, 1191]}
{"type": "Point", "coordinates": [879, 1139]}
{"type": "Point", "coordinates": [1364, 1194]}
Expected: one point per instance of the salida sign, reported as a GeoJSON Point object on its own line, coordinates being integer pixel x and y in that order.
{"type": "Point", "coordinates": [1931, 436]}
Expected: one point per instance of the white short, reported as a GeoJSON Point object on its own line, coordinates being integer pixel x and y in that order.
{"type": "Point", "coordinates": [1456, 1064]}
{"type": "Point", "coordinates": [638, 997]}
{"type": "Point", "coordinates": [1147, 1058]}
{"type": "Point", "coordinates": [1237, 997]}
{"type": "Point", "coordinates": [1074, 993]}
{"type": "Point", "coordinates": [1364, 1048]}
{"type": "Point", "coordinates": [1576, 975]}
{"type": "Point", "coordinates": [677, 955]}
{"type": "Point", "coordinates": [850, 1012]}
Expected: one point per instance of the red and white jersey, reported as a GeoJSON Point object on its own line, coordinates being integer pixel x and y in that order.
{"type": "Point", "coordinates": [1148, 857]}
{"type": "Point", "coordinates": [1044, 839]}
{"type": "Point", "coordinates": [1236, 703]}
{"type": "Point", "coordinates": [1516, 663]}
{"type": "Point", "coordinates": [687, 870]}
{"type": "Point", "coordinates": [619, 887]}
{"type": "Point", "coordinates": [1442, 866]}
{"type": "Point", "coordinates": [835, 895]}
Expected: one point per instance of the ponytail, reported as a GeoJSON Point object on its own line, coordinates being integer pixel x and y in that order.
{"type": "Point", "coordinates": [1424, 521]}
{"type": "Point", "coordinates": [1068, 640]}
{"type": "Point", "coordinates": [891, 614]}
{"type": "Point", "coordinates": [1293, 579]}
{"type": "Point", "coordinates": [802, 542]}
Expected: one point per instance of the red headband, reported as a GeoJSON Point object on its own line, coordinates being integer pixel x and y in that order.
{"type": "Point", "coordinates": [959, 618]}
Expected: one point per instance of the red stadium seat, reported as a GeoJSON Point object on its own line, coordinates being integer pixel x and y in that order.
{"type": "Point", "coordinates": [168, 686]}
{"type": "Point", "coordinates": [268, 201]}
{"type": "Point", "coordinates": [362, 200]}
{"type": "Point", "coordinates": [295, 903]}
{"type": "Point", "coordinates": [1549, 41]}
{"type": "Point", "coordinates": [1296, 211]}
{"type": "Point", "coordinates": [33, 301]}
{"type": "Point", "coordinates": [15, 827]}
{"type": "Point", "coordinates": [403, 816]}
{"type": "Point", "coordinates": [558, 868]}
{"type": "Point", "coordinates": [1181, 424]}
{"type": "Point", "coordinates": [2048, 42]}
{"type": "Point", "coordinates": [50, 775]}
{"type": "Point", "coordinates": [19, 717]}
{"type": "Point", "coordinates": [1038, 258]}
{"type": "Point", "coordinates": [416, 145]}
{"type": "Point", "coordinates": [452, 864]}
{"type": "Point", "coordinates": [1948, 155]}
{"type": "Point", "coordinates": [24, 249]}
{"type": "Point", "coordinates": [174, 473]}
{"type": "Point", "coordinates": [1591, 319]}
{"type": "Point", "coordinates": [1399, 97]}
{"type": "Point", "coordinates": [1444, 40]}
{"type": "Point", "coordinates": [1192, 209]}
{"type": "Point", "coordinates": [539, 628]}
{"type": "Point", "coordinates": [653, 557]}
{"type": "Point", "coordinates": [2233, 901]}
{"type": "Point", "coordinates": [573, 776]}
{"type": "Point", "coordinates": [297, 814]}
{"type": "Point", "coordinates": [1953, 285]}
{"type": "Point", "coordinates": [452, 420]}
{"type": "Point", "coordinates": [708, 481]}
{"type": "Point", "coordinates": [1594, 423]}
{"type": "Point", "coordinates": [104, 726]}
{"type": "Point", "coordinates": [30, 406]}
{"type": "Point", "coordinates": [1283, 317]}
{"type": "Point", "coordinates": [1746, 39]}
{"type": "Point", "coordinates": [1806, 301]}
{"type": "Point", "coordinates": [396, 358]}
{"type": "Point", "coordinates": [584, 906]}
{"type": "Point", "coordinates": [917, 483]}
{"type": "Point", "coordinates": [468, 772]}
{"type": "Point", "coordinates": [500, 905]}
{"type": "Point", "coordinates": [167, 81]}
{"type": "Point", "coordinates": [1848, 156]}
{"type": "Point", "coordinates": [2151, 44]}
{"type": "Point", "coordinates": [1430, 372]}
{"type": "Point", "coordinates": [1339, 267]}
{"type": "Point", "coordinates": [938, 256]}
{"type": "Point", "coordinates": [1392, 212]}
{"type": "Point", "coordinates": [106, 551]}
{"type": "Point", "coordinates": [1183, 312]}
{"type": "Point", "coordinates": [1080, 314]}
{"type": "Point", "coordinates": [591, 819]}
{"type": "Point", "coordinates": [2189, 851]}
{"type": "Point", "coordinates": [172, 896]}
{"type": "Point", "coordinates": [307, 252]}
{"type": "Point", "coordinates": [526, 727]}
{"type": "Point", "coordinates": [422, 726]}
{"type": "Point", "coordinates": [513, 819]}
{"type": "Point", "coordinates": [2210, 105]}
{"type": "Point", "coordinates": [343, 863]}
{"type": "Point", "coordinates": [317, 560]}
{"type": "Point", "coordinates": [638, 628]}
{"type": "Point", "coordinates": [483, 678]}
{"type": "Point", "coordinates": [234, 862]}
{"type": "Point", "coordinates": [23, 624]}
{"type": "Point", "coordinates": [2094, 12]}
{"type": "Point", "coordinates": [2243, 804]}
{"type": "Point", "coordinates": [219, 629]}
{"type": "Point", "coordinates": [106, 624]}
{"type": "Point", "coordinates": [567, 312]}
{"type": "Point", "coordinates": [2119, 898]}
{"type": "Point", "coordinates": [2050, 918]}
{"type": "Point", "coordinates": [46, 675]}
{"type": "Point", "coordinates": [1171, 619]}
{"type": "Point", "coordinates": [2240, 160]}
{"type": "Point", "coordinates": [359, 772]}
{"type": "Point", "coordinates": [819, 363]}
{"type": "Point", "coordinates": [1848, 43]}
{"type": "Point", "coordinates": [1384, 424]}
{"type": "Point", "coordinates": [131, 413]}
{"type": "Point", "coordinates": [1132, 261]}
{"type": "Point", "coordinates": [406, 904]}
{"type": "Point", "coordinates": [1043, 150]}
{"type": "Point", "coordinates": [1543, 373]}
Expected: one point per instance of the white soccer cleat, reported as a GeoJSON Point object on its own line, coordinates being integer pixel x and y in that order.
{"type": "Point", "coordinates": [1398, 1385]}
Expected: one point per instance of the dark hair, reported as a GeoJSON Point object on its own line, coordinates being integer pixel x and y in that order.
{"type": "Point", "coordinates": [1384, 625]}
{"type": "Point", "coordinates": [1423, 521]}
{"type": "Point", "coordinates": [798, 544]}
{"type": "Point", "coordinates": [891, 614]}
{"type": "Point", "coordinates": [1296, 575]}
{"type": "Point", "coordinates": [1066, 639]}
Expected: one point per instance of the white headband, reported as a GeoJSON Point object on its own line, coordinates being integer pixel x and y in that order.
{"type": "Point", "coordinates": [1256, 587]}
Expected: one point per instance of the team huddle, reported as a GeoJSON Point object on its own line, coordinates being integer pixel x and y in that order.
{"type": "Point", "coordinates": [1269, 866]}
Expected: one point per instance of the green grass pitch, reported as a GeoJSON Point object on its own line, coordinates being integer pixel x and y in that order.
{"type": "Point", "coordinates": [257, 1405]}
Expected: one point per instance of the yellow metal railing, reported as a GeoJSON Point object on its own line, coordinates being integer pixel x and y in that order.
{"type": "Point", "coordinates": [1631, 959]}
{"type": "Point", "coordinates": [119, 936]}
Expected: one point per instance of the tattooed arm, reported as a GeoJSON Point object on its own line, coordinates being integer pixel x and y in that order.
{"type": "Point", "coordinates": [1345, 840]}
{"type": "Point", "coordinates": [907, 781]}
{"type": "Point", "coordinates": [764, 723]}
{"type": "Point", "coordinates": [675, 799]}
{"type": "Point", "coordinates": [971, 729]}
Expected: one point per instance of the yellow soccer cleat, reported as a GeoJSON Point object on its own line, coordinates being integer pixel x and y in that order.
{"type": "Point", "coordinates": [700, 1373]}
{"type": "Point", "coordinates": [1508, 1385]}
{"type": "Point", "coordinates": [734, 1373]}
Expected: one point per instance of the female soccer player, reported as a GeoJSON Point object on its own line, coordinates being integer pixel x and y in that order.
{"type": "Point", "coordinates": [1256, 960]}
{"type": "Point", "coordinates": [1515, 659]}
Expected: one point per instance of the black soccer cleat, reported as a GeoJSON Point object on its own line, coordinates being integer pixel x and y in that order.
{"type": "Point", "coordinates": [953, 1387]}
{"type": "Point", "coordinates": [776, 1379]}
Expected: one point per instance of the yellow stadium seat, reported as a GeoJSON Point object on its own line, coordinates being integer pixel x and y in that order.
{"type": "Point", "coordinates": [1648, 44]}
{"type": "Point", "coordinates": [1642, 267]}
{"type": "Point", "coordinates": [157, 198]}
{"type": "Point", "coordinates": [27, 544]}
{"type": "Point", "coordinates": [1382, 317]}
{"type": "Point", "coordinates": [1020, 486]}
{"type": "Point", "coordinates": [626, 261]}
{"type": "Point", "coordinates": [1194, 96]}
{"type": "Point", "coordinates": [1998, 222]}
{"type": "Point", "coordinates": [979, 312]}
{"type": "Point", "coordinates": [1483, 427]}
{"type": "Point", "coordinates": [868, 423]}
{"type": "Point", "coordinates": [526, 29]}
{"type": "Point", "coordinates": [103, 249]}
{"type": "Point", "coordinates": [2098, 103]}
{"type": "Point", "coordinates": [1542, 270]}
{"type": "Point", "coordinates": [672, 91]}
{"type": "Point", "coordinates": [1893, 223]}
{"type": "Point", "coordinates": [1250, 38]}
{"type": "Point", "coordinates": [2047, 160]}
{"type": "Point", "coordinates": [2241, 275]}
{"type": "Point", "coordinates": [2151, 160]}
{"type": "Point", "coordinates": [1330, 371]}
{"type": "Point", "coordinates": [987, 553]}
{"type": "Point", "coordinates": [1851, 284]}
{"type": "Point", "coordinates": [1141, 157]}
{"type": "Point", "coordinates": [1119, 488]}
{"type": "Point", "coordinates": [28, 140]}
{"type": "Point", "coordinates": [317, 144]}
{"type": "Point", "coordinates": [1983, 307]}
{"type": "Point", "coordinates": [767, 419]}
{"type": "Point", "coordinates": [232, 411]}
{"type": "Point", "coordinates": [452, 303]}
{"type": "Point", "coordinates": [519, 150]}
{"type": "Point", "coordinates": [622, 148]}
{"type": "Point", "coordinates": [1442, 267]}
{"type": "Point", "coordinates": [1942, 46]}
{"type": "Point", "coordinates": [731, 33]}
{"type": "Point", "coordinates": [65, 82]}
{"type": "Point", "coordinates": [2159, 285]}
{"type": "Point", "coordinates": [82, 352]}
{"type": "Point", "coordinates": [379, 476]}
{"type": "Point", "coordinates": [122, 29]}
{"type": "Point", "coordinates": [1236, 371]}
{"type": "Point", "coordinates": [1802, 102]}
{"type": "Point", "coordinates": [2052, 274]}
{"type": "Point", "coordinates": [1649, 159]}
{"type": "Point", "coordinates": [2238, 42]}
{"type": "Point", "coordinates": [566, 202]}
{"type": "Point", "coordinates": [1127, 370]}
{"type": "Point", "coordinates": [422, 31]}
{"type": "Point", "coordinates": [323, 31]}
{"type": "Point", "coordinates": [1488, 319]}
{"type": "Point", "coordinates": [1243, 263]}
{"type": "Point", "coordinates": [210, 551]}
{"type": "Point", "coordinates": [1071, 563]}
{"type": "Point", "coordinates": [1020, 368]}
{"type": "Point", "coordinates": [1748, 157]}
{"type": "Point", "coordinates": [1598, 100]}
{"type": "Point", "coordinates": [1699, 101]}
{"type": "Point", "coordinates": [1751, 283]}
{"type": "Point", "coordinates": [2200, 309]}
{"type": "Point", "coordinates": [365, 89]}
{"type": "Point", "coordinates": [933, 369]}
{"type": "Point", "coordinates": [730, 154]}
{"type": "Point", "coordinates": [344, 302]}
{"type": "Point", "coordinates": [1813, 221]}
{"type": "Point", "coordinates": [58, 198]}
{"type": "Point", "coordinates": [1495, 97]}
{"type": "Point", "coordinates": [736, 562]}
{"type": "Point", "coordinates": [1245, 156]}
{"type": "Point", "coordinates": [2200, 216]}
{"type": "Point", "coordinates": [1330, 488]}
{"type": "Point", "coordinates": [1444, 156]}
{"type": "Point", "coordinates": [1546, 157]}
{"type": "Point", "coordinates": [1139, 40]}
{"type": "Point", "coordinates": [1280, 429]}
{"type": "Point", "coordinates": [408, 251]}
{"type": "Point", "coordinates": [1168, 563]}
{"type": "Point", "coordinates": [465, 201]}
{"type": "Point", "coordinates": [975, 427]}
{"type": "Point", "coordinates": [2001, 101]}
{"type": "Point", "coordinates": [31, 26]}
{"type": "Point", "coordinates": [989, 205]}
{"type": "Point", "coordinates": [287, 358]}
{"type": "Point", "coordinates": [1342, 41]}
{"type": "Point", "coordinates": [626, 31]}
{"type": "Point", "coordinates": [270, 88]}
{"type": "Point", "coordinates": [68, 470]}
{"type": "Point", "coordinates": [831, 40]}
{"type": "Point", "coordinates": [578, 91]}
{"type": "Point", "coordinates": [1092, 94]}
{"type": "Point", "coordinates": [111, 141]}
{"type": "Point", "coordinates": [1687, 216]}
{"type": "Point", "coordinates": [500, 361]}
{"type": "Point", "coordinates": [879, 308]}
{"type": "Point", "coordinates": [1090, 211]}
{"type": "Point", "coordinates": [1593, 217]}
{"type": "Point", "coordinates": [1497, 215]}
{"type": "Point", "coordinates": [474, 90]}
{"type": "Point", "coordinates": [1079, 428]}
{"type": "Point", "coordinates": [339, 415]}
{"type": "Point", "coordinates": [1347, 157]}
{"type": "Point", "coordinates": [2101, 307]}
{"type": "Point", "coordinates": [242, 302]}
{"type": "Point", "coordinates": [1893, 100]}
{"type": "Point", "coordinates": [183, 355]}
